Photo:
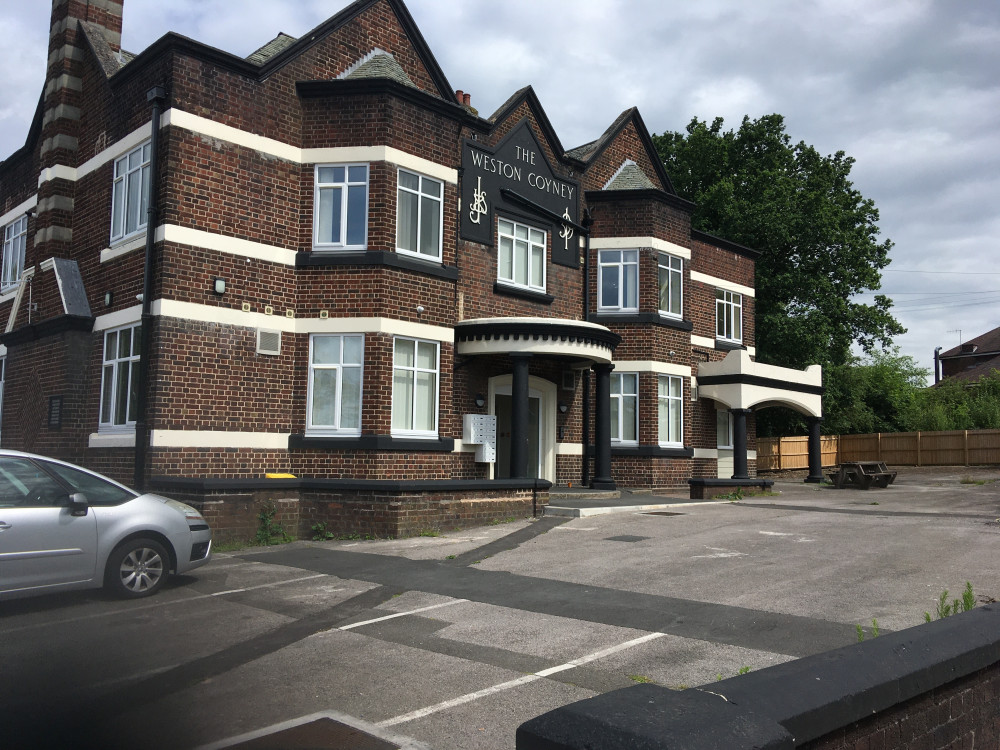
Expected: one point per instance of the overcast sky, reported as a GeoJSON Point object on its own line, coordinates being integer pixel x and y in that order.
{"type": "Point", "coordinates": [909, 88]}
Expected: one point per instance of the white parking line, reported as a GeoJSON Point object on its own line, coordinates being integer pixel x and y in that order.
{"type": "Point", "coordinates": [469, 697]}
{"type": "Point", "coordinates": [120, 611]}
{"type": "Point", "coordinates": [401, 614]}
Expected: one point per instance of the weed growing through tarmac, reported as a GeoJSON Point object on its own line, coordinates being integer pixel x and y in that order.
{"type": "Point", "coordinates": [498, 521]}
{"type": "Point", "coordinates": [967, 479]}
{"type": "Point", "coordinates": [944, 609]}
{"type": "Point", "coordinates": [428, 532]}
{"type": "Point", "coordinates": [450, 557]}
{"type": "Point", "coordinates": [320, 533]}
{"type": "Point", "coordinates": [641, 678]}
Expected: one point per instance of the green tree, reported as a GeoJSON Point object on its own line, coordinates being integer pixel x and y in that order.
{"type": "Point", "coordinates": [957, 405]}
{"type": "Point", "coordinates": [817, 235]}
{"type": "Point", "coordinates": [874, 393]}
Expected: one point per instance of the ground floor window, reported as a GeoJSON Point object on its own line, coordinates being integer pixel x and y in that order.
{"type": "Point", "coordinates": [119, 377]}
{"type": "Point", "coordinates": [624, 407]}
{"type": "Point", "coordinates": [670, 403]}
{"type": "Point", "coordinates": [415, 370]}
{"type": "Point", "coordinates": [335, 377]}
{"type": "Point", "coordinates": [723, 428]}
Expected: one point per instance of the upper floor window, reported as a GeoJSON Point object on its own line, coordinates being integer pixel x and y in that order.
{"type": "Point", "coordinates": [130, 193]}
{"type": "Point", "coordinates": [119, 376]}
{"type": "Point", "coordinates": [15, 237]}
{"type": "Point", "coordinates": [671, 276]}
{"type": "Point", "coordinates": [335, 378]}
{"type": "Point", "coordinates": [670, 403]}
{"type": "Point", "coordinates": [419, 215]}
{"type": "Point", "coordinates": [728, 315]}
{"type": "Point", "coordinates": [618, 280]}
{"type": "Point", "coordinates": [624, 407]}
{"type": "Point", "coordinates": [415, 368]}
{"type": "Point", "coordinates": [341, 206]}
{"type": "Point", "coordinates": [521, 255]}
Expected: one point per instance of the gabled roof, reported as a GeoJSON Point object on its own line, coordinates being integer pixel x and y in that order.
{"type": "Point", "coordinates": [977, 370]}
{"type": "Point", "coordinates": [283, 49]}
{"type": "Point", "coordinates": [589, 152]}
{"type": "Point", "coordinates": [982, 345]}
{"type": "Point", "coordinates": [527, 94]}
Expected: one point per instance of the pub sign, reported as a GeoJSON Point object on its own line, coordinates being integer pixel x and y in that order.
{"type": "Point", "coordinates": [516, 179]}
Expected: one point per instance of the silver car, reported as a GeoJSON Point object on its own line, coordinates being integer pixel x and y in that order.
{"type": "Point", "coordinates": [63, 527]}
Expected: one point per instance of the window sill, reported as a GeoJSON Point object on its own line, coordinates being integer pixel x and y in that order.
{"type": "Point", "coordinates": [728, 345]}
{"type": "Point", "coordinates": [123, 246]}
{"type": "Point", "coordinates": [522, 293]}
{"type": "Point", "coordinates": [376, 258]}
{"type": "Point", "coordinates": [9, 293]}
{"type": "Point", "coordinates": [370, 442]}
{"type": "Point", "coordinates": [121, 439]}
{"type": "Point", "coordinates": [653, 451]}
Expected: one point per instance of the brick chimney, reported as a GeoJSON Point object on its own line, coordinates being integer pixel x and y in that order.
{"type": "Point", "coordinates": [61, 114]}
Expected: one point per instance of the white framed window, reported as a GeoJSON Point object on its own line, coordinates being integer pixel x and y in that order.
{"type": "Point", "coordinates": [15, 238]}
{"type": "Point", "coordinates": [670, 409]}
{"type": "Point", "coordinates": [340, 207]}
{"type": "Point", "coordinates": [419, 215]}
{"type": "Point", "coordinates": [130, 193]}
{"type": "Point", "coordinates": [521, 255]}
{"type": "Point", "coordinates": [624, 407]}
{"type": "Point", "coordinates": [335, 381]}
{"type": "Point", "coordinates": [728, 315]}
{"type": "Point", "coordinates": [415, 369]}
{"type": "Point", "coordinates": [618, 280]}
{"type": "Point", "coordinates": [119, 378]}
{"type": "Point", "coordinates": [723, 429]}
{"type": "Point", "coordinates": [671, 278]}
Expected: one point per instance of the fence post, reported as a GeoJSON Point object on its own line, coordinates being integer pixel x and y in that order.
{"type": "Point", "coordinates": [878, 446]}
{"type": "Point", "coordinates": [918, 447]}
{"type": "Point", "coordinates": [966, 447]}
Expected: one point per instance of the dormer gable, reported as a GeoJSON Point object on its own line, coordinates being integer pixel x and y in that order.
{"type": "Point", "coordinates": [623, 158]}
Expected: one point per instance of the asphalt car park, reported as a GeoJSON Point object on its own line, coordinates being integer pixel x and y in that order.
{"type": "Point", "coordinates": [452, 641]}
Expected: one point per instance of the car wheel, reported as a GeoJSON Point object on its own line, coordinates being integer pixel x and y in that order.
{"type": "Point", "coordinates": [137, 568]}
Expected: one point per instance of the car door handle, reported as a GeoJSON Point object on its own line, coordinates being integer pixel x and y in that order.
{"type": "Point", "coordinates": [4, 525]}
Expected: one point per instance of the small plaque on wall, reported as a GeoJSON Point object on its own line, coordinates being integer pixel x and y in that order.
{"type": "Point", "coordinates": [55, 412]}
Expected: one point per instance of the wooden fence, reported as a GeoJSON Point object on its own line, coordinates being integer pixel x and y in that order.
{"type": "Point", "coordinates": [952, 448]}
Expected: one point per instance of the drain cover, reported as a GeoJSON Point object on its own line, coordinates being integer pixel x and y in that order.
{"type": "Point", "coordinates": [662, 513]}
{"type": "Point", "coordinates": [626, 538]}
{"type": "Point", "coordinates": [321, 734]}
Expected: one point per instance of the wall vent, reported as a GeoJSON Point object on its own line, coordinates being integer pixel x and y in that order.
{"type": "Point", "coordinates": [268, 342]}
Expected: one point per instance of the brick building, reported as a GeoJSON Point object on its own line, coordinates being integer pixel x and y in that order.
{"type": "Point", "coordinates": [970, 361]}
{"type": "Point", "coordinates": [319, 260]}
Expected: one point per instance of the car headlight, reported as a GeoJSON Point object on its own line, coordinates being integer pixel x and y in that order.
{"type": "Point", "coordinates": [191, 514]}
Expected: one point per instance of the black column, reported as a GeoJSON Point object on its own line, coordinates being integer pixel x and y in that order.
{"type": "Point", "coordinates": [519, 417]}
{"type": "Point", "coordinates": [815, 451]}
{"type": "Point", "coordinates": [740, 443]}
{"type": "Point", "coordinates": [602, 430]}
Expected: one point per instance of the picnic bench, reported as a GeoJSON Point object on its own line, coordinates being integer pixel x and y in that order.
{"type": "Point", "coordinates": [862, 474]}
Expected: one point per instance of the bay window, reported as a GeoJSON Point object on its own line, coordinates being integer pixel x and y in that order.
{"type": "Point", "coordinates": [618, 280]}
{"type": "Point", "coordinates": [335, 379]}
{"type": "Point", "coordinates": [415, 376]}
{"type": "Point", "coordinates": [419, 215]}
{"type": "Point", "coordinates": [341, 206]}
{"type": "Point", "coordinates": [670, 406]}
{"type": "Point", "coordinates": [671, 276]}
{"type": "Point", "coordinates": [624, 407]}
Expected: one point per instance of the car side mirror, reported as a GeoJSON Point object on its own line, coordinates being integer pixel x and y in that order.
{"type": "Point", "coordinates": [78, 504]}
